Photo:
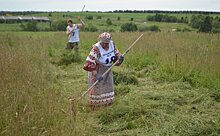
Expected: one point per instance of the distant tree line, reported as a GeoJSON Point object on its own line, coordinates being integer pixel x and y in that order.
{"type": "Point", "coordinates": [161, 11]}
{"type": "Point", "coordinates": [204, 23]}
{"type": "Point", "coordinates": [2, 13]}
{"type": "Point", "coordinates": [167, 18]}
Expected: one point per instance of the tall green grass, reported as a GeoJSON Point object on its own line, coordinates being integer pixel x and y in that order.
{"type": "Point", "coordinates": [31, 103]}
{"type": "Point", "coordinates": [190, 57]}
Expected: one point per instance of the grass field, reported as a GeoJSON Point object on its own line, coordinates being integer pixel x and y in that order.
{"type": "Point", "coordinates": [169, 84]}
{"type": "Point", "coordinates": [138, 18]}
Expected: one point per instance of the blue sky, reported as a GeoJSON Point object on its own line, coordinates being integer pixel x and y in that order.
{"type": "Point", "coordinates": [108, 5]}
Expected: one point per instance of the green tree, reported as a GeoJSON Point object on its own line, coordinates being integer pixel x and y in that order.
{"type": "Point", "coordinates": [128, 27]}
{"type": "Point", "coordinates": [216, 23]}
{"type": "Point", "coordinates": [158, 17]}
{"type": "Point", "coordinates": [150, 18]}
{"type": "Point", "coordinates": [206, 25]}
{"type": "Point", "coordinates": [30, 26]}
{"type": "Point", "coordinates": [59, 25]}
{"type": "Point", "coordinates": [196, 21]}
{"type": "Point", "coordinates": [154, 28]}
{"type": "Point", "coordinates": [89, 17]}
{"type": "Point", "coordinates": [108, 21]}
{"type": "Point", "coordinates": [91, 28]}
{"type": "Point", "coordinates": [99, 17]}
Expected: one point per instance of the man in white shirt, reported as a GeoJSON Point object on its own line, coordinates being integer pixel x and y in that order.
{"type": "Point", "coordinates": [72, 31]}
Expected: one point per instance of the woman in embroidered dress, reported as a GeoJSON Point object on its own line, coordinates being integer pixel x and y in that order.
{"type": "Point", "coordinates": [102, 55]}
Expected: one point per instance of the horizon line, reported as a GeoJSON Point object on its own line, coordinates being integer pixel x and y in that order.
{"type": "Point", "coordinates": [109, 10]}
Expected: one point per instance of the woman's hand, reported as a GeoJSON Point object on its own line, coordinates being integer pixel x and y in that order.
{"type": "Point", "coordinates": [120, 59]}
{"type": "Point", "coordinates": [89, 66]}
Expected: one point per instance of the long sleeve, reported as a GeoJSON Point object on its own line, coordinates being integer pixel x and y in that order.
{"type": "Point", "coordinates": [91, 60]}
{"type": "Point", "coordinates": [117, 54]}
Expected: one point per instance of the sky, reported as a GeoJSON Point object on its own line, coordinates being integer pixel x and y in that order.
{"type": "Point", "coordinates": [108, 5]}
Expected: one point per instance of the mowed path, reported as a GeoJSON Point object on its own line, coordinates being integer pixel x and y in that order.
{"type": "Point", "coordinates": [147, 108]}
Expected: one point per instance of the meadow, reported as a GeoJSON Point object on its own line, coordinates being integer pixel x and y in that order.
{"type": "Point", "coordinates": [99, 20]}
{"type": "Point", "coordinates": [169, 84]}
